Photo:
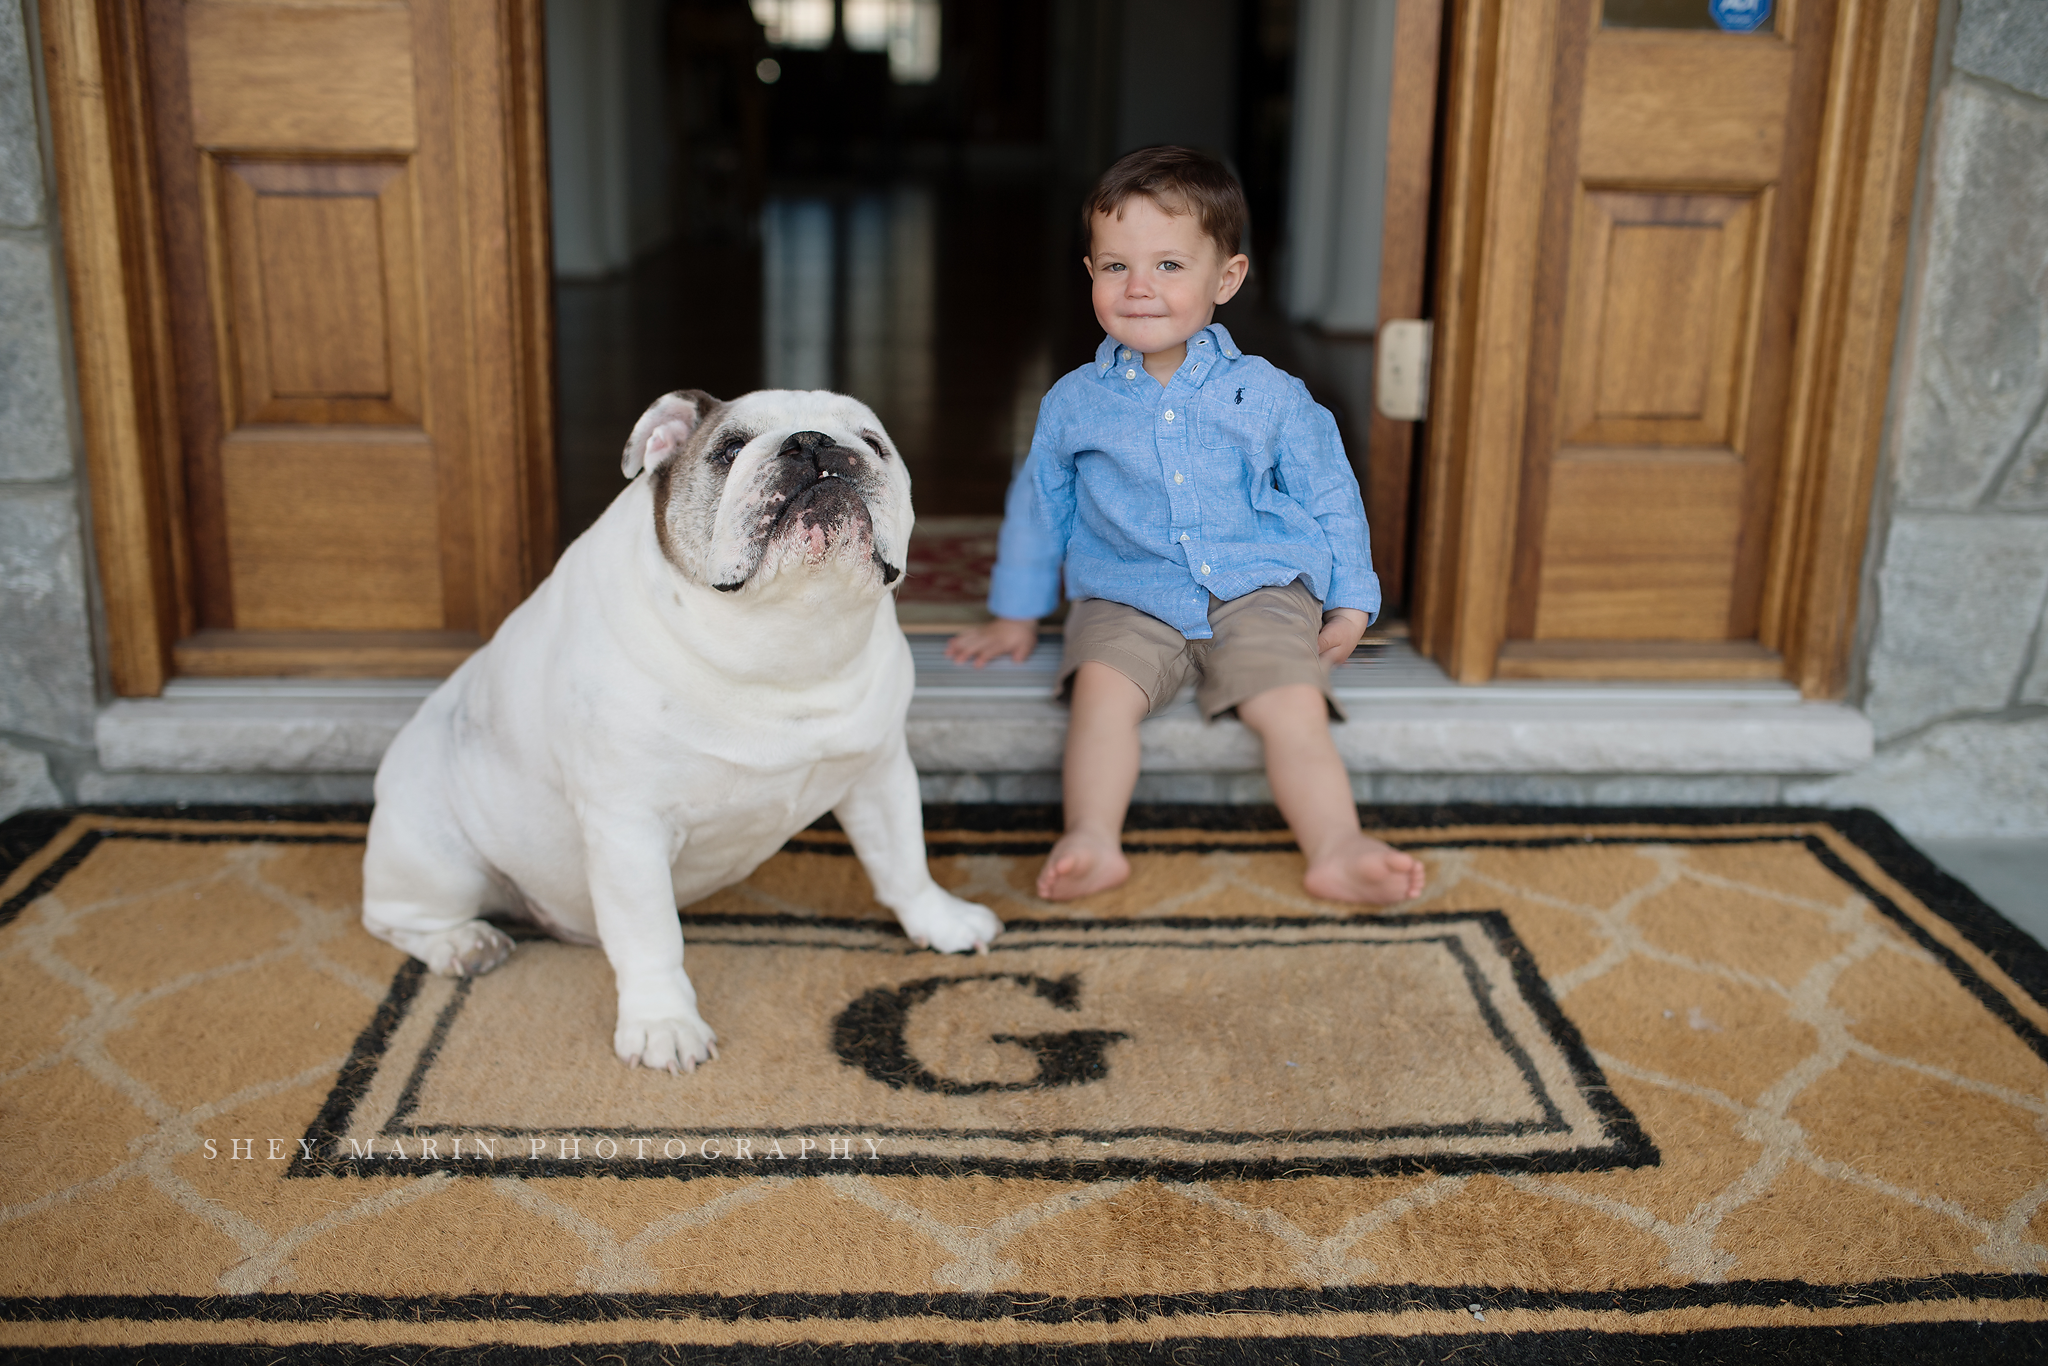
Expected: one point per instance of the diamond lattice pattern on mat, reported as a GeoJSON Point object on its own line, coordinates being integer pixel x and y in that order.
{"type": "Point", "coordinates": [1828, 1098]}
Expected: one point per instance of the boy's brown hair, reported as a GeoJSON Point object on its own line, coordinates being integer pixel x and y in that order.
{"type": "Point", "coordinates": [1179, 180]}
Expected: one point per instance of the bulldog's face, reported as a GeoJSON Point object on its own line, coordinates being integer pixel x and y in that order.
{"type": "Point", "coordinates": [778, 482]}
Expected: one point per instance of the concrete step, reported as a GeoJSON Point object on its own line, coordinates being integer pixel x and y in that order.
{"type": "Point", "coordinates": [1412, 735]}
{"type": "Point", "coordinates": [996, 734]}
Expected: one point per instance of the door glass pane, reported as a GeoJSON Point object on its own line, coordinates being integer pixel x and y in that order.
{"type": "Point", "coordinates": [1730, 16]}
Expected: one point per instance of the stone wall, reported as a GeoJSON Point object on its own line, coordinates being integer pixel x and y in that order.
{"type": "Point", "coordinates": [1955, 649]}
{"type": "Point", "coordinates": [48, 682]}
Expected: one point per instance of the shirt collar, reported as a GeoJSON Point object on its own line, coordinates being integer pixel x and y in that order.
{"type": "Point", "coordinates": [1209, 350]}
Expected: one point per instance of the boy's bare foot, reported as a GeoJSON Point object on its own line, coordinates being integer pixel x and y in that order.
{"type": "Point", "coordinates": [1360, 868]}
{"type": "Point", "coordinates": [1081, 863]}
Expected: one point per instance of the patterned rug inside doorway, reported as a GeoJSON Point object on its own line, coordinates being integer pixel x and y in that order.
{"type": "Point", "coordinates": [1763, 1078]}
{"type": "Point", "coordinates": [945, 583]}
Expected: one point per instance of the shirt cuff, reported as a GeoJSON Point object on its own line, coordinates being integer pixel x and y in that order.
{"type": "Point", "coordinates": [1359, 588]}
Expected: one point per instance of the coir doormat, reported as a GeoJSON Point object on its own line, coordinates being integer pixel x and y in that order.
{"type": "Point", "coordinates": [1625, 1085]}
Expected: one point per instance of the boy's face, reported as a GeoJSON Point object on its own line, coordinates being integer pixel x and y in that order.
{"type": "Point", "coordinates": [1158, 277]}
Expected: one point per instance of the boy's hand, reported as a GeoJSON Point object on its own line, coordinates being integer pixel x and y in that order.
{"type": "Point", "coordinates": [1012, 636]}
{"type": "Point", "coordinates": [1343, 627]}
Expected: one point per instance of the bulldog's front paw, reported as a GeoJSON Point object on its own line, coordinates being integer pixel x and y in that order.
{"type": "Point", "coordinates": [468, 950]}
{"type": "Point", "coordinates": [939, 920]}
{"type": "Point", "coordinates": [675, 1044]}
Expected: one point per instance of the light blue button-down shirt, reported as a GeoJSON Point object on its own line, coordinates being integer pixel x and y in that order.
{"type": "Point", "coordinates": [1227, 479]}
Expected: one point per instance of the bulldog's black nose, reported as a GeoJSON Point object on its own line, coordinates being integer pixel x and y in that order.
{"type": "Point", "coordinates": [821, 451]}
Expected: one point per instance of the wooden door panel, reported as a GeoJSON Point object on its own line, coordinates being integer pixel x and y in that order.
{"type": "Point", "coordinates": [1704, 107]}
{"type": "Point", "coordinates": [321, 276]}
{"type": "Point", "coordinates": [1657, 320]}
{"type": "Point", "coordinates": [312, 77]}
{"type": "Point", "coordinates": [1637, 546]}
{"type": "Point", "coordinates": [323, 282]}
{"type": "Point", "coordinates": [333, 534]}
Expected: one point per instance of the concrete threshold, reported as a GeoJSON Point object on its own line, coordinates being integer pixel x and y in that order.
{"type": "Point", "coordinates": [1405, 717]}
{"type": "Point", "coordinates": [258, 725]}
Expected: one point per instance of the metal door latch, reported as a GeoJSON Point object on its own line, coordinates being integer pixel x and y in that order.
{"type": "Point", "coordinates": [1401, 389]}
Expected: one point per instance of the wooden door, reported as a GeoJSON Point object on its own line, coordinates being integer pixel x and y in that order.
{"type": "Point", "coordinates": [1670, 276]}
{"type": "Point", "coordinates": [1654, 231]}
{"type": "Point", "coordinates": [335, 259]}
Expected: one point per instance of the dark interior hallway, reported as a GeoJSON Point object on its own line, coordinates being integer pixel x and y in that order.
{"type": "Point", "coordinates": [770, 205]}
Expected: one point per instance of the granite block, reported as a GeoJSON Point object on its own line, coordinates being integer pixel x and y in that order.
{"type": "Point", "coordinates": [2034, 687]}
{"type": "Point", "coordinates": [980, 737]}
{"type": "Point", "coordinates": [1430, 789]}
{"type": "Point", "coordinates": [35, 440]}
{"type": "Point", "coordinates": [2005, 41]}
{"type": "Point", "coordinates": [21, 151]}
{"type": "Point", "coordinates": [1708, 789]}
{"type": "Point", "coordinates": [1972, 779]}
{"type": "Point", "coordinates": [170, 735]}
{"type": "Point", "coordinates": [1177, 789]}
{"type": "Point", "coordinates": [1026, 787]}
{"type": "Point", "coordinates": [2025, 486]}
{"type": "Point", "coordinates": [1979, 360]}
{"type": "Point", "coordinates": [25, 781]}
{"type": "Point", "coordinates": [954, 787]}
{"type": "Point", "coordinates": [1473, 732]}
{"type": "Point", "coordinates": [222, 789]}
{"type": "Point", "coordinates": [1959, 598]}
{"type": "Point", "coordinates": [45, 637]}
{"type": "Point", "coordinates": [1247, 789]}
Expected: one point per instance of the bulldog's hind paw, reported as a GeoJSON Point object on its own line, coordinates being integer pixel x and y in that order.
{"type": "Point", "coordinates": [467, 950]}
{"type": "Point", "coordinates": [939, 920]}
{"type": "Point", "coordinates": [670, 1045]}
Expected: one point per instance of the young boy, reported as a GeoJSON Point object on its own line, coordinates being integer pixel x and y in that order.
{"type": "Point", "coordinates": [1208, 524]}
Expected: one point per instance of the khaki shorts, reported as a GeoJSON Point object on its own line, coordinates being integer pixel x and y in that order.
{"type": "Point", "coordinates": [1265, 639]}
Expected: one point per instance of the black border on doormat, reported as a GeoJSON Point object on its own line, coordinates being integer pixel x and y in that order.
{"type": "Point", "coordinates": [1962, 1339]}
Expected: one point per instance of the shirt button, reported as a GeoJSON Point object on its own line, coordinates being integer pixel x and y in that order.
{"type": "Point", "coordinates": [1169, 414]}
{"type": "Point", "coordinates": [1205, 569]}
{"type": "Point", "coordinates": [1130, 374]}
{"type": "Point", "coordinates": [1176, 476]}
{"type": "Point", "coordinates": [1183, 535]}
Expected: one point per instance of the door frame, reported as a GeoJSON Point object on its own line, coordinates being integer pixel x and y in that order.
{"type": "Point", "coordinates": [1404, 277]}
{"type": "Point", "coordinates": [1500, 74]}
{"type": "Point", "coordinates": [108, 200]}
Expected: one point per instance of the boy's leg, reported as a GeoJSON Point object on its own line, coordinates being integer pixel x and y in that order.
{"type": "Point", "coordinates": [1314, 793]}
{"type": "Point", "coordinates": [1117, 666]}
{"type": "Point", "coordinates": [1101, 768]}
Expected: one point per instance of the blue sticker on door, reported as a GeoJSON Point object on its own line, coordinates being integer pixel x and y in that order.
{"type": "Point", "coordinates": [1740, 16]}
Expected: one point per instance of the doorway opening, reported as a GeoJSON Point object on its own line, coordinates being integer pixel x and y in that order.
{"type": "Point", "coordinates": [881, 197]}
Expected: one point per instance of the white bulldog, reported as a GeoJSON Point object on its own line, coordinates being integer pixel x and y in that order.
{"type": "Point", "coordinates": [710, 668]}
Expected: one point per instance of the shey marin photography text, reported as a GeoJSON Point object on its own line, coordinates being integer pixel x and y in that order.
{"type": "Point", "coordinates": [554, 1147]}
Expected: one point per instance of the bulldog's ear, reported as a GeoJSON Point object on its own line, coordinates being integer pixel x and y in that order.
{"type": "Point", "coordinates": [664, 427]}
